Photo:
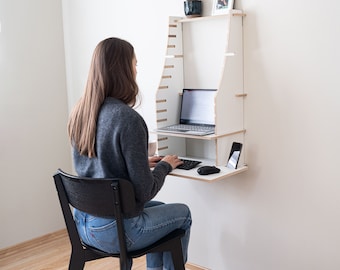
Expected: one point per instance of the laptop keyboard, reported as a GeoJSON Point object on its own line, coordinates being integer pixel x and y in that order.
{"type": "Point", "coordinates": [188, 164]}
{"type": "Point", "coordinates": [190, 128]}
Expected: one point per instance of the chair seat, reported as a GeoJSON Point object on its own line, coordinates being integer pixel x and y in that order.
{"type": "Point", "coordinates": [178, 233]}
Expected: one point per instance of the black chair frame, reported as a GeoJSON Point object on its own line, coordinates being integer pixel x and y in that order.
{"type": "Point", "coordinates": [106, 198]}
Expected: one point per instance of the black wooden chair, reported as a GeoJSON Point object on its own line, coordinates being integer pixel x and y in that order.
{"type": "Point", "coordinates": [106, 198]}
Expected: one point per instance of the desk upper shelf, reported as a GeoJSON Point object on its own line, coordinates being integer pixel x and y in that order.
{"type": "Point", "coordinates": [204, 53]}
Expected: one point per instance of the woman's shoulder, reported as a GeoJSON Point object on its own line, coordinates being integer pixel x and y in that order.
{"type": "Point", "coordinates": [116, 108]}
{"type": "Point", "coordinates": [112, 104]}
{"type": "Point", "coordinates": [110, 101]}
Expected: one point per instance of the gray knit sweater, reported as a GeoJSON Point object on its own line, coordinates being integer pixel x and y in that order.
{"type": "Point", "coordinates": [121, 148]}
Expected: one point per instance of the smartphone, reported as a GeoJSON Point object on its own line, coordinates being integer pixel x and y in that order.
{"type": "Point", "coordinates": [234, 155]}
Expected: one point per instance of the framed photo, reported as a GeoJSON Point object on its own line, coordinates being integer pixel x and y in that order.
{"type": "Point", "coordinates": [222, 6]}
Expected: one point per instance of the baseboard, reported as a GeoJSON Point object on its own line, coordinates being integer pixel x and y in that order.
{"type": "Point", "coordinates": [191, 266]}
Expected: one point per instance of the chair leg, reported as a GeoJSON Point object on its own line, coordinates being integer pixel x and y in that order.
{"type": "Point", "coordinates": [77, 261]}
{"type": "Point", "coordinates": [177, 256]}
{"type": "Point", "coordinates": [125, 263]}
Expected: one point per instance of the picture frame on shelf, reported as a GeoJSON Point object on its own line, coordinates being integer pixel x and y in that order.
{"type": "Point", "coordinates": [222, 6]}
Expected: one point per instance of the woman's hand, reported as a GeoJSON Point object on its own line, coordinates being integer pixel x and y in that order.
{"type": "Point", "coordinates": [154, 160]}
{"type": "Point", "coordinates": [173, 160]}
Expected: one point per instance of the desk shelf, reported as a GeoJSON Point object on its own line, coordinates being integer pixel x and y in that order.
{"type": "Point", "coordinates": [193, 175]}
{"type": "Point", "coordinates": [207, 137]}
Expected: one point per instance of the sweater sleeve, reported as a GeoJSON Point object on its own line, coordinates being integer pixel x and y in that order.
{"type": "Point", "coordinates": [134, 144]}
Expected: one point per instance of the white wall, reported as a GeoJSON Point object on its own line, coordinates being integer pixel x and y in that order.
{"type": "Point", "coordinates": [291, 194]}
{"type": "Point", "coordinates": [284, 212]}
{"type": "Point", "coordinates": [33, 115]}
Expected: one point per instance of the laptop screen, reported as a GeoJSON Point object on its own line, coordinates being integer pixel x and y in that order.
{"type": "Point", "coordinates": [198, 107]}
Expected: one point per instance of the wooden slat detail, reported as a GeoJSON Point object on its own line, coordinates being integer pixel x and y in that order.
{"type": "Point", "coordinates": [174, 56]}
{"type": "Point", "coordinates": [163, 148]}
{"type": "Point", "coordinates": [162, 111]}
{"type": "Point", "coordinates": [239, 14]}
{"type": "Point", "coordinates": [166, 77]}
{"type": "Point", "coordinates": [162, 120]}
{"type": "Point", "coordinates": [173, 25]}
{"type": "Point", "coordinates": [162, 139]}
{"type": "Point", "coordinates": [169, 66]}
{"type": "Point", "coordinates": [241, 95]}
{"type": "Point", "coordinates": [163, 87]}
{"type": "Point", "coordinates": [171, 46]}
{"type": "Point", "coordinates": [172, 36]}
{"type": "Point", "coordinates": [160, 100]}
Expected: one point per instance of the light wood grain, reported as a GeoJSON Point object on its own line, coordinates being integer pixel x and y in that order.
{"type": "Point", "coordinates": [52, 252]}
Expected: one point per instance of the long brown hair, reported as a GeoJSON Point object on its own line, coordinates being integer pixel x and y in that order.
{"type": "Point", "coordinates": [111, 75]}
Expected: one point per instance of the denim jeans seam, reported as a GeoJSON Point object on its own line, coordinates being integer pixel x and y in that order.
{"type": "Point", "coordinates": [163, 225]}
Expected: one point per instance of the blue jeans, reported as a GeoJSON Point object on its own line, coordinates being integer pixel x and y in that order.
{"type": "Point", "coordinates": [157, 220]}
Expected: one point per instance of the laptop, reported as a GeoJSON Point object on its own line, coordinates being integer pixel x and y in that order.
{"type": "Point", "coordinates": [197, 114]}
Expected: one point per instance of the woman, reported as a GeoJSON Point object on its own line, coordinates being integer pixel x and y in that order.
{"type": "Point", "coordinates": [110, 139]}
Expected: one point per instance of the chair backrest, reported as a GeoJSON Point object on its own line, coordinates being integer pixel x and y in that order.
{"type": "Point", "coordinates": [102, 197]}
{"type": "Point", "coordinates": [95, 195]}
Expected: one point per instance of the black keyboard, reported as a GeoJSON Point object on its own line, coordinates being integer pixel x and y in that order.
{"type": "Point", "coordinates": [188, 164]}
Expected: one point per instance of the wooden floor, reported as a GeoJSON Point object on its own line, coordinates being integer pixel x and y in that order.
{"type": "Point", "coordinates": [52, 252]}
